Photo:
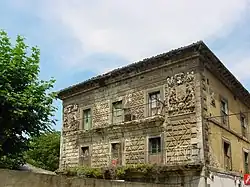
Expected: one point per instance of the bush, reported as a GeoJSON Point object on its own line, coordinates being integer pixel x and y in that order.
{"type": "Point", "coordinates": [145, 172]}
{"type": "Point", "coordinates": [89, 172]}
{"type": "Point", "coordinates": [85, 172]}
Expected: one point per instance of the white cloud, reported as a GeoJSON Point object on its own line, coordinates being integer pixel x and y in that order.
{"type": "Point", "coordinates": [239, 64]}
{"type": "Point", "coordinates": [141, 28]}
{"type": "Point", "coordinates": [242, 69]}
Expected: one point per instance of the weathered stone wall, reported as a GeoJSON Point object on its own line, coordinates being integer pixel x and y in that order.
{"type": "Point", "coordinates": [179, 84]}
{"type": "Point", "coordinates": [215, 131]}
{"type": "Point", "coordinates": [135, 102]}
{"type": "Point", "coordinates": [27, 179]}
{"type": "Point", "coordinates": [101, 114]}
{"type": "Point", "coordinates": [11, 178]}
{"type": "Point", "coordinates": [99, 154]}
{"type": "Point", "coordinates": [179, 146]}
{"type": "Point", "coordinates": [69, 151]}
{"type": "Point", "coordinates": [135, 149]}
{"type": "Point", "coordinates": [183, 132]}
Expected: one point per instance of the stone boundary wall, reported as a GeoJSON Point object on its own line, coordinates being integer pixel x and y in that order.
{"type": "Point", "coordinates": [10, 178]}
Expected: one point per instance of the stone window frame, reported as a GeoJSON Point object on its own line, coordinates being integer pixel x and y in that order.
{"type": "Point", "coordinates": [227, 141]}
{"type": "Point", "coordinates": [122, 150]}
{"type": "Point", "coordinates": [244, 126]}
{"type": "Point", "coordinates": [90, 153]}
{"type": "Point", "coordinates": [111, 108]}
{"type": "Point", "coordinates": [244, 150]}
{"type": "Point", "coordinates": [160, 147]}
{"type": "Point", "coordinates": [146, 97]}
{"type": "Point", "coordinates": [87, 107]}
{"type": "Point", "coordinates": [223, 99]}
{"type": "Point", "coordinates": [156, 135]}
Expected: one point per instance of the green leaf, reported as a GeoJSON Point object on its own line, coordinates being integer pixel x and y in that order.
{"type": "Point", "coordinates": [26, 103]}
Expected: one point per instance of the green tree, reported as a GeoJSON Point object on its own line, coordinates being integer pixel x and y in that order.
{"type": "Point", "coordinates": [44, 151]}
{"type": "Point", "coordinates": [26, 106]}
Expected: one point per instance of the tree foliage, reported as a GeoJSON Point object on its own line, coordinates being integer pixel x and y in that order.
{"type": "Point", "coordinates": [26, 106]}
{"type": "Point", "coordinates": [44, 151]}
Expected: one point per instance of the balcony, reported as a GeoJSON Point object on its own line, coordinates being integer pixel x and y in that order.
{"type": "Point", "coordinates": [176, 159]}
{"type": "Point", "coordinates": [139, 114]}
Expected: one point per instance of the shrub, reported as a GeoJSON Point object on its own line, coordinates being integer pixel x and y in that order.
{"type": "Point", "coordinates": [145, 172]}
{"type": "Point", "coordinates": [89, 172]}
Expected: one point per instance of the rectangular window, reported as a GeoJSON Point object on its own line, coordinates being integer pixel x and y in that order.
{"type": "Point", "coordinates": [243, 125]}
{"type": "Point", "coordinates": [224, 112]}
{"type": "Point", "coordinates": [155, 145]}
{"type": "Point", "coordinates": [127, 115]}
{"type": "Point", "coordinates": [154, 103]}
{"type": "Point", "coordinates": [246, 163]}
{"type": "Point", "coordinates": [116, 155]}
{"type": "Point", "coordinates": [84, 156]}
{"type": "Point", "coordinates": [155, 155]}
{"type": "Point", "coordinates": [87, 121]}
{"type": "Point", "coordinates": [117, 112]}
{"type": "Point", "coordinates": [227, 156]}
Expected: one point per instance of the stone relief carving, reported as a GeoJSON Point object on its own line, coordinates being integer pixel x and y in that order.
{"type": "Point", "coordinates": [190, 96]}
{"type": "Point", "coordinates": [170, 81]}
{"type": "Point", "coordinates": [128, 100]}
{"type": "Point", "coordinates": [190, 76]}
{"type": "Point", "coordinates": [70, 121]}
{"type": "Point", "coordinates": [181, 93]}
{"type": "Point", "coordinates": [133, 102]}
{"type": "Point", "coordinates": [179, 78]}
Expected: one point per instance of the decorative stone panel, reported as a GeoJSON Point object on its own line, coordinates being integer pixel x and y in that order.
{"type": "Point", "coordinates": [69, 149]}
{"type": "Point", "coordinates": [134, 102]}
{"type": "Point", "coordinates": [71, 117]}
{"type": "Point", "coordinates": [101, 114]}
{"type": "Point", "coordinates": [180, 93]}
{"type": "Point", "coordinates": [100, 154]}
{"type": "Point", "coordinates": [135, 150]}
{"type": "Point", "coordinates": [180, 136]}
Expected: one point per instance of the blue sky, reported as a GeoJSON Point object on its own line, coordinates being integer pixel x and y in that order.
{"type": "Point", "coordinates": [80, 39]}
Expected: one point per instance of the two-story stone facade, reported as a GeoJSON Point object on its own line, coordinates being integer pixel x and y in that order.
{"type": "Point", "coordinates": [181, 109]}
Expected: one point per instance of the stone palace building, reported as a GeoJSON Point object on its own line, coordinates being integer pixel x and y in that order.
{"type": "Point", "coordinates": [183, 109]}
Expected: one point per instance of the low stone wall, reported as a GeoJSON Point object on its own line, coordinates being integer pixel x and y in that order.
{"type": "Point", "coordinates": [9, 178]}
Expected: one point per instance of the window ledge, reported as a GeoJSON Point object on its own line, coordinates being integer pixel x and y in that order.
{"type": "Point", "coordinates": [139, 123]}
{"type": "Point", "coordinates": [155, 118]}
{"type": "Point", "coordinates": [147, 120]}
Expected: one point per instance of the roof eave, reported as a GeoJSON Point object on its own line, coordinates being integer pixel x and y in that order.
{"type": "Point", "coordinates": [236, 86]}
